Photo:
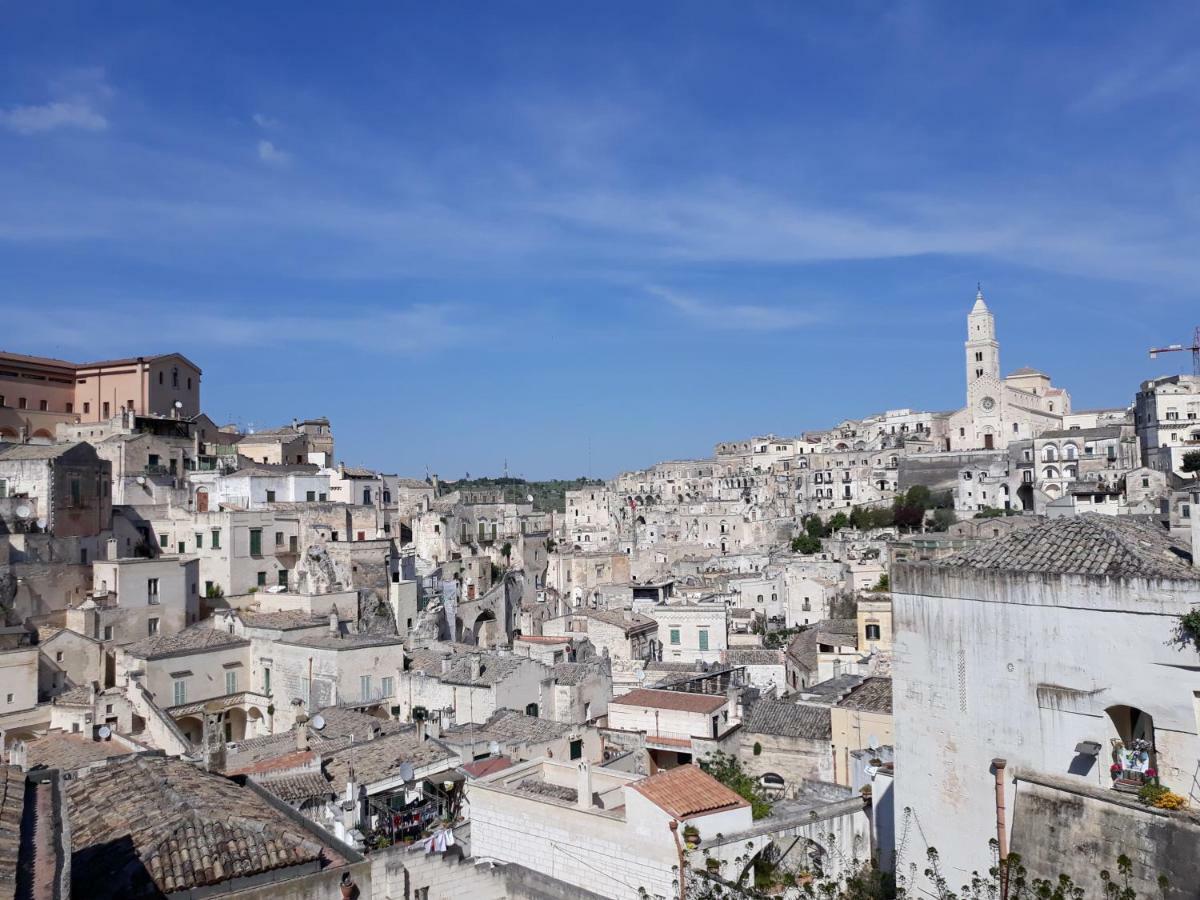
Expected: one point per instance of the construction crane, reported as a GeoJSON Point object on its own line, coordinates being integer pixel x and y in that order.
{"type": "Point", "coordinates": [1179, 348]}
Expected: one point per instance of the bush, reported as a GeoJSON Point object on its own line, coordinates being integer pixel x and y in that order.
{"type": "Point", "coordinates": [806, 544]}
{"type": "Point", "coordinates": [1161, 797]}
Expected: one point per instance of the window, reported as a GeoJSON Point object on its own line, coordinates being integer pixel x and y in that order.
{"type": "Point", "coordinates": [364, 687]}
{"type": "Point", "coordinates": [362, 535]}
{"type": "Point", "coordinates": [160, 377]}
{"type": "Point", "coordinates": [208, 589]}
{"type": "Point", "coordinates": [577, 748]}
{"type": "Point", "coordinates": [181, 547]}
{"type": "Point", "coordinates": [75, 492]}
{"type": "Point", "coordinates": [262, 578]}
{"type": "Point", "coordinates": [231, 686]}
{"type": "Point", "coordinates": [199, 540]}
{"type": "Point", "coordinates": [324, 497]}
{"type": "Point", "coordinates": [366, 496]}
{"type": "Point", "coordinates": [282, 578]}
{"type": "Point", "coordinates": [310, 496]}
{"type": "Point", "coordinates": [216, 538]}
{"type": "Point", "coordinates": [43, 406]}
{"type": "Point", "coordinates": [152, 589]}
{"type": "Point", "coordinates": [267, 682]}
{"type": "Point", "coordinates": [703, 638]}
{"type": "Point", "coordinates": [279, 539]}
{"type": "Point", "coordinates": [256, 542]}
{"type": "Point", "coordinates": [531, 710]}
{"type": "Point", "coordinates": [3, 488]}
{"type": "Point", "coordinates": [387, 686]}
{"type": "Point", "coordinates": [22, 403]}
{"type": "Point", "coordinates": [872, 632]}
{"type": "Point", "coordinates": [675, 636]}
{"type": "Point", "coordinates": [180, 693]}
{"type": "Point", "coordinates": [108, 632]}
{"type": "Point", "coordinates": [978, 356]}
{"type": "Point", "coordinates": [105, 409]}
{"type": "Point", "coordinates": [152, 627]}
{"type": "Point", "coordinates": [270, 496]}
{"type": "Point", "coordinates": [87, 407]}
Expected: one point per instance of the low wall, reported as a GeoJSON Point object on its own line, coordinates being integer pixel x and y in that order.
{"type": "Point", "coordinates": [1061, 827]}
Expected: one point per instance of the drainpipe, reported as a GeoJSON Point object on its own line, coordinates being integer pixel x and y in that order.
{"type": "Point", "coordinates": [674, 826]}
{"type": "Point", "coordinates": [998, 766]}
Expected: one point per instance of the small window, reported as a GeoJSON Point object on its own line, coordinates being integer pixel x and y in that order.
{"type": "Point", "coordinates": [231, 681]}
{"type": "Point", "coordinates": [87, 407]}
{"type": "Point", "coordinates": [279, 539]}
{"type": "Point", "coordinates": [270, 496]}
{"type": "Point", "coordinates": [108, 632]}
{"type": "Point", "coordinates": [310, 496]}
{"type": "Point", "coordinates": [256, 542]}
{"type": "Point", "coordinates": [152, 589]}
{"type": "Point", "coordinates": [43, 405]}
{"type": "Point", "coordinates": [262, 578]}
{"type": "Point", "coordinates": [577, 748]}
{"type": "Point", "coordinates": [199, 540]}
{"type": "Point", "coordinates": [22, 403]}
{"type": "Point", "coordinates": [180, 693]}
{"type": "Point", "coordinates": [387, 687]}
{"type": "Point", "coordinates": [531, 710]}
{"type": "Point", "coordinates": [152, 627]}
{"type": "Point", "coordinates": [675, 636]}
{"type": "Point", "coordinates": [58, 656]}
{"type": "Point", "coordinates": [872, 632]}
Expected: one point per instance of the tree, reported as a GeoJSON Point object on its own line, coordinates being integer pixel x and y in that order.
{"type": "Point", "coordinates": [728, 770]}
{"type": "Point", "coordinates": [943, 518]}
{"type": "Point", "coordinates": [1191, 462]}
{"type": "Point", "coordinates": [838, 522]}
{"type": "Point", "coordinates": [814, 526]}
{"type": "Point", "coordinates": [806, 544]}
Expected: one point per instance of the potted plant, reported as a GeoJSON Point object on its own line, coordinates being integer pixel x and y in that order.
{"type": "Point", "coordinates": [712, 863]}
{"type": "Point", "coordinates": [691, 836]}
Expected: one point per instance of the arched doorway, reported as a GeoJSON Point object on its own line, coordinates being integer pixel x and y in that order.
{"type": "Point", "coordinates": [487, 629]}
{"type": "Point", "coordinates": [201, 500]}
{"type": "Point", "coordinates": [1131, 734]}
{"type": "Point", "coordinates": [192, 728]}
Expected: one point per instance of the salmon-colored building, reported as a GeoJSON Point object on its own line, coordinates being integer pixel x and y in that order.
{"type": "Point", "coordinates": [37, 392]}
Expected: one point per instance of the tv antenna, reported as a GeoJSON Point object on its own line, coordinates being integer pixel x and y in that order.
{"type": "Point", "coordinates": [1179, 348]}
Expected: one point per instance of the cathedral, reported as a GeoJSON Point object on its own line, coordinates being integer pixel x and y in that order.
{"type": "Point", "coordinates": [1018, 406]}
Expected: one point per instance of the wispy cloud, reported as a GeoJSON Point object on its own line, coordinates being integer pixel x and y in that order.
{"type": "Point", "coordinates": [264, 121]}
{"type": "Point", "coordinates": [738, 316]}
{"type": "Point", "coordinates": [272, 155]}
{"type": "Point", "coordinates": [1142, 79]}
{"type": "Point", "coordinates": [76, 100]}
{"type": "Point", "coordinates": [420, 327]}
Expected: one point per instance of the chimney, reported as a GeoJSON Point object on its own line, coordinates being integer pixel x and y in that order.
{"type": "Point", "coordinates": [446, 660]}
{"type": "Point", "coordinates": [334, 626]}
{"type": "Point", "coordinates": [302, 731]}
{"type": "Point", "coordinates": [110, 548]}
{"type": "Point", "coordinates": [476, 666]}
{"type": "Point", "coordinates": [627, 614]}
{"type": "Point", "coordinates": [584, 786]}
{"type": "Point", "coordinates": [213, 740]}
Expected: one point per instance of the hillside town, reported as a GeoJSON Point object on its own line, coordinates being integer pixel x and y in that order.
{"type": "Point", "coordinates": [235, 666]}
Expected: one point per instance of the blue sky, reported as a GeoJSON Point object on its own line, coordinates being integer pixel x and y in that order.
{"type": "Point", "coordinates": [592, 236]}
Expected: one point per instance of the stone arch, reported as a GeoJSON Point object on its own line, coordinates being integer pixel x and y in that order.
{"type": "Point", "coordinates": [486, 629]}
{"type": "Point", "coordinates": [201, 499]}
{"type": "Point", "coordinates": [192, 728]}
{"type": "Point", "coordinates": [41, 437]}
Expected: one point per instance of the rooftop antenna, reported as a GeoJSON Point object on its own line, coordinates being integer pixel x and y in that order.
{"type": "Point", "coordinates": [1179, 348]}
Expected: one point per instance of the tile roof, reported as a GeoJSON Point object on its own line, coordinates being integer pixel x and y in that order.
{"type": "Point", "coordinates": [873, 695]}
{"type": "Point", "coordinates": [381, 758]}
{"type": "Point", "coordinates": [16, 452]}
{"type": "Point", "coordinates": [196, 639]}
{"type": "Point", "coordinates": [789, 720]}
{"type": "Point", "coordinates": [687, 791]}
{"type": "Point", "coordinates": [616, 617]}
{"type": "Point", "coordinates": [753, 656]}
{"type": "Point", "coordinates": [297, 788]}
{"type": "Point", "coordinates": [680, 700]}
{"type": "Point", "coordinates": [1090, 544]}
{"type": "Point", "coordinates": [76, 696]}
{"type": "Point", "coordinates": [481, 768]}
{"type": "Point", "coordinates": [803, 649]}
{"type": "Point", "coordinates": [12, 812]}
{"type": "Point", "coordinates": [150, 826]}
{"type": "Point", "coordinates": [831, 690]}
{"type": "Point", "coordinates": [506, 726]}
{"type": "Point", "coordinates": [575, 673]}
{"type": "Point", "coordinates": [344, 641]}
{"type": "Point", "coordinates": [494, 668]}
{"type": "Point", "coordinates": [342, 722]}
{"type": "Point", "coordinates": [68, 751]}
{"type": "Point", "coordinates": [283, 619]}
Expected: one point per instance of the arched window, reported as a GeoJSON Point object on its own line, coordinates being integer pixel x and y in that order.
{"type": "Point", "coordinates": [1050, 472]}
{"type": "Point", "coordinates": [1049, 453]}
{"type": "Point", "coordinates": [1069, 452]}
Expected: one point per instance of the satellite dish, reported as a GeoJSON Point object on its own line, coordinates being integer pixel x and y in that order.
{"type": "Point", "coordinates": [42, 523]}
{"type": "Point", "coordinates": [494, 748]}
{"type": "Point", "coordinates": [873, 742]}
{"type": "Point", "coordinates": [318, 722]}
{"type": "Point", "coordinates": [23, 511]}
{"type": "Point", "coordinates": [407, 772]}
{"type": "Point", "coordinates": [529, 498]}
{"type": "Point", "coordinates": [179, 404]}
{"type": "Point", "coordinates": [141, 479]}
{"type": "Point", "coordinates": [104, 732]}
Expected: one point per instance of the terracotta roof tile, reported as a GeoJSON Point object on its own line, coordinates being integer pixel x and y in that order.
{"type": "Point", "coordinates": [686, 791]}
{"type": "Point", "coordinates": [681, 700]}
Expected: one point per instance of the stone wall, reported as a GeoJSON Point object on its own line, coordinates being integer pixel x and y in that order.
{"type": "Point", "coordinates": [1063, 827]}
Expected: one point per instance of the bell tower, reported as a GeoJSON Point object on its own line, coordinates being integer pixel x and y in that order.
{"type": "Point", "coordinates": [983, 351]}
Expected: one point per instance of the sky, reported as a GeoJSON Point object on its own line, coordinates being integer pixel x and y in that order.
{"type": "Point", "coordinates": [582, 238]}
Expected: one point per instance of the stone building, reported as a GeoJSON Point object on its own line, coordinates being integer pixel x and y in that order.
{"type": "Point", "coordinates": [63, 489]}
{"type": "Point", "coordinates": [785, 744]}
{"type": "Point", "coordinates": [1001, 409]}
{"type": "Point", "coordinates": [1052, 650]}
{"type": "Point", "coordinates": [1167, 418]}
